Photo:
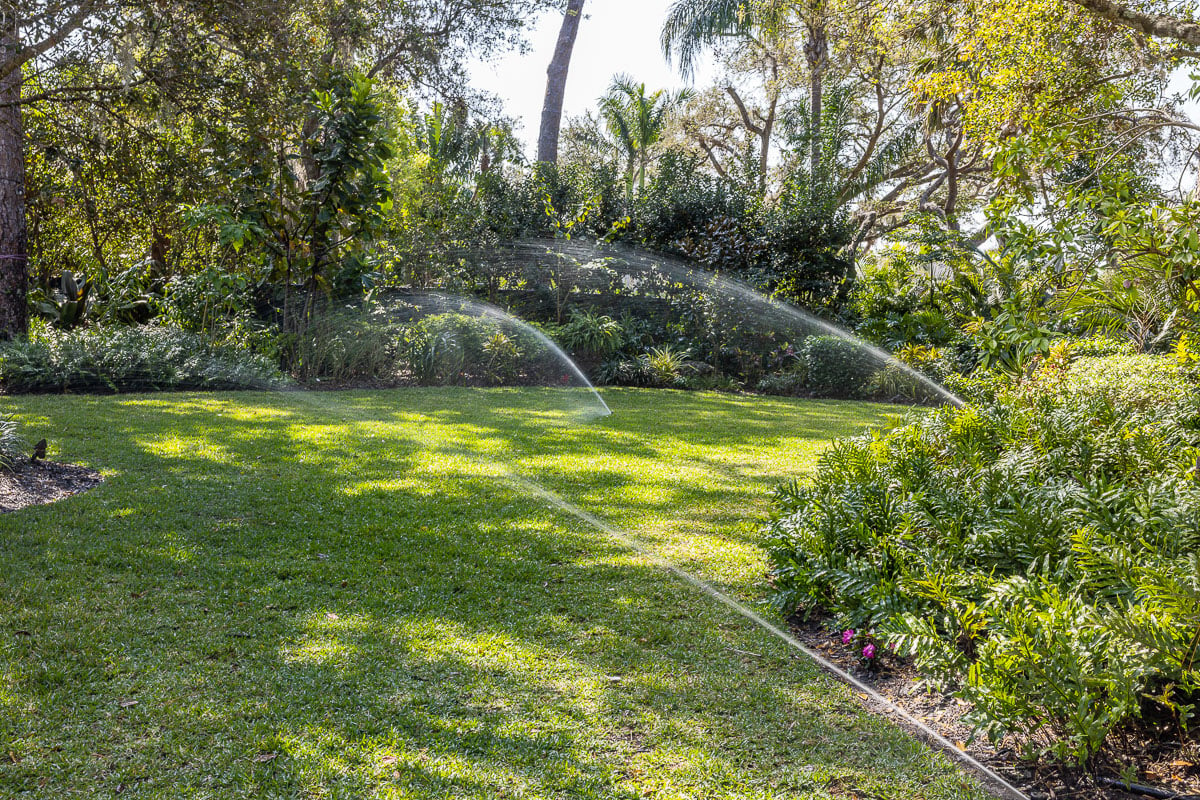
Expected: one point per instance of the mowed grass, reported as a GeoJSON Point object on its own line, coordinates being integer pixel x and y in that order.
{"type": "Point", "coordinates": [340, 595]}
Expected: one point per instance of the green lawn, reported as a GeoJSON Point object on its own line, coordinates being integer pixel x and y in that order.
{"type": "Point", "coordinates": [339, 595]}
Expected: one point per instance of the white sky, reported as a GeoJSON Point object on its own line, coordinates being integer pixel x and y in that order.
{"type": "Point", "coordinates": [614, 36]}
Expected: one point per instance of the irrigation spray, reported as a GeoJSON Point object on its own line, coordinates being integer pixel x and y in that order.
{"type": "Point", "coordinates": [453, 345]}
{"type": "Point", "coordinates": [993, 780]}
{"type": "Point", "coordinates": [609, 276]}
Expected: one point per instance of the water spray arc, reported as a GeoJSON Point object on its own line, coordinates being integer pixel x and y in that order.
{"type": "Point", "coordinates": [505, 319]}
{"type": "Point", "coordinates": [457, 333]}
{"type": "Point", "coordinates": [993, 780]}
{"type": "Point", "coordinates": [579, 270]}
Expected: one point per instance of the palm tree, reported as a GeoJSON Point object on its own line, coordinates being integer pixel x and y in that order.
{"type": "Point", "coordinates": [637, 121]}
{"type": "Point", "coordinates": [556, 83]}
{"type": "Point", "coordinates": [693, 25]}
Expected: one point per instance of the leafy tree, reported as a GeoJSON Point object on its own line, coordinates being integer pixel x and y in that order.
{"type": "Point", "coordinates": [316, 211]}
{"type": "Point", "coordinates": [211, 69]}
{"type": "Point", "coordinates": [837, 95]}
{"type": "Point", "coordinates": [692, 25]}
{"type": "Point", "coordinates": [34, 36]}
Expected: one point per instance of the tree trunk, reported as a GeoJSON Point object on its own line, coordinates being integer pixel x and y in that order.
{"type": "Point", "coordinates": [816, 51]}
{"type": "Point", "coordinates": [556, 83]}
{"type": "Point", "coordinates": [764, 147]}
{"type": "Point", "coordinates": [14, 254]}
{"type": "Point", "coordinates": [629, 175]}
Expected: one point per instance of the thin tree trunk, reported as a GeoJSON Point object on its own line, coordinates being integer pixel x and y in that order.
{"type": "Point", "coordinates": [764, 147]}
{"type": "Point", "coordinates": [629, 176]}
{"type": "Point", "coordinates": [816, 51]}
{"type": "Point", "coordinates": [556, 83]}
{"type": "Point", "coordinates": [14, 253]}
{"type": "Point", "coordinates": [762, 132]}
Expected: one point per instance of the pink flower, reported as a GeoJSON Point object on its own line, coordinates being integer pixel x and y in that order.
{"type": "Point", "coordinates": [869, 651]}
{"type": "Point", "coordinates": [848, 636]}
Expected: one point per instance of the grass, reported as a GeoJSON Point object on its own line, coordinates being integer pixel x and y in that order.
{"type": "Point", "coordinates": [337, 595]}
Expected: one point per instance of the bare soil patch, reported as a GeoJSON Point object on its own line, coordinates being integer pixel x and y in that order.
{"type": "Point", "coordinates": [30, 483]}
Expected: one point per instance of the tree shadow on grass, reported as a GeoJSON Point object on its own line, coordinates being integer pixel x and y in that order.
{"type": "Point", "coordinates": [263, 603]}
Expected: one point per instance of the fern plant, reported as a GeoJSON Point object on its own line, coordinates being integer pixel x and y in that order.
{"type": "Point", "coordinates": [11, 442]}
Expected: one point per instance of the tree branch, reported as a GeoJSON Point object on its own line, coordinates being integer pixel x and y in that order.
{"type": "Point", "coordinates": [737, 100]}
{"type": "Point", "coordinates": [1160, 25]}
{"type": "Point", "coordinates": [22, 55]}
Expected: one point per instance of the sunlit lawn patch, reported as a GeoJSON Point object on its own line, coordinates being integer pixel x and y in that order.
{"type": "Point", "coordinates": [333, 595]}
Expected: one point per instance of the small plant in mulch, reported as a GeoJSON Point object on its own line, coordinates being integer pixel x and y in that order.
{"type": "Point", "coordinates": [865, 648]}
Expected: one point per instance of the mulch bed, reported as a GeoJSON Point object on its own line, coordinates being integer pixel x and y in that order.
{"type": "Point", "coordinates": [29, 483]}
{"type": "Point", "coordinates": [1170, 769]}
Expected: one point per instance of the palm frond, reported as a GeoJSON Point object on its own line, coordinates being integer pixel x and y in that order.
{"type": "Point", "coordinates": [692, 25]}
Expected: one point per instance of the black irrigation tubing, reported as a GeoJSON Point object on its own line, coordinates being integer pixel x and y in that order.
{"type": "Point", "coordinates": [1147, 791]}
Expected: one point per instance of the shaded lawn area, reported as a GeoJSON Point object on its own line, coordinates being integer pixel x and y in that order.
{"type": "Point", "coordinates": [337, 595]}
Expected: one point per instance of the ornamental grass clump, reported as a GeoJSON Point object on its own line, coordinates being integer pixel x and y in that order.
{"type": "Point", "coordinates": [1039, 553]}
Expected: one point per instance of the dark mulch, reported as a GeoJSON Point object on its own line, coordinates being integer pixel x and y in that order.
{"type": "Point", "coordinates": [1170, 769]}
{"type": "Point", "coordinates": [30, 483]}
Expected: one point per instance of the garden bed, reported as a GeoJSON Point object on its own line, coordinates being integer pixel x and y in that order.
{"type": "Point", "coordinates": [30, 483]}
{"type": "Point", "coordinates": [1035, 550]}
{"type": "Point", "coordinates": [1165, 766]}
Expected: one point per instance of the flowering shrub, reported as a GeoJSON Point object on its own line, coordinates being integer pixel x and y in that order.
{"type": "Point", "coordinates": [1039, 552]}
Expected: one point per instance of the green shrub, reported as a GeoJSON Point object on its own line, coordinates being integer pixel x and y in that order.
{"type": "Point", "coordinates": [667, 365]}
{"type": "Point", "coordinates": [1102, 346]}
{"type": "Point", "coordinates": [899, 384]}
{"type": "Point", "coordinates": [664, 367]}
{"type": "Point", "coordinates": [1133, 380]}
{"type": "Point", "coordinates": [1039, 551]}
{"type": "Point", "coordinates": [896, 304]}
{"type": "Point", "coordinates": [129, 359]}
{"type": "Point", "coordinates": [980, 386]}
{"type": "Point", "coordinates": [836, 367]}
{"type": "Point", "coordinates": [712, 382]}
{"type": "Point", "coordinates": [1009, 342]}
{"type": "Point", "coordinates": [454, 348]}
{"type": "Point", "coordinates": [205, 300]}
{"type": "Point", "coordinates": [347, 346]}
{"type": "Point", "coordinates": [625, 372]}
{"type": "Point", "coordinates": [591, 335]}
{"type": "Point", "coordinates": [789, 383]}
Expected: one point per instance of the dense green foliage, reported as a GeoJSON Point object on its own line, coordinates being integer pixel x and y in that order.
{"type": "Point", "coordinates": [833, 365]}
{"type": "Point", "coordinates": [1037, 550]}
{"type": "Point", "coordinates": [457, 348]}
{"type": "Point", "coordinates": [129, 359]}
{"type": "Point", "coordinates": [11, 441]}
